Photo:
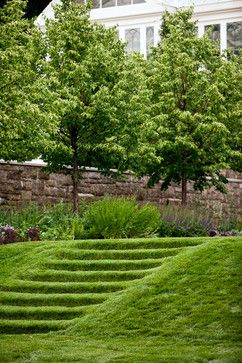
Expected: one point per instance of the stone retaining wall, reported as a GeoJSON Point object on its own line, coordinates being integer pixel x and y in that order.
{"type": "Point", "coordinates": [21, 183]}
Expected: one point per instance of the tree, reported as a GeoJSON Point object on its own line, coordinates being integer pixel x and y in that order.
{"type": "Point", "coordinates": [189, 134]}
{"type": "Point", "coordinates": [23, 121]}
{"type": "Point", "coordinates": [231, 89]}
{"type": "Point", "coordinates": [93, 94]}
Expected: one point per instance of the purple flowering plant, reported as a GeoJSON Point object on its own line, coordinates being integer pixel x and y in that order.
{"type": "Point", "coordinates": [33, 234]}
{"type": "Point", "coordinates": [9, 234]}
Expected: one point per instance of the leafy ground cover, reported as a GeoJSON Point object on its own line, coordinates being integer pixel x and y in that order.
{"type": "Point", "coordinates": [156, 300]}
{"type": "Point", "coordinates": [113, 217]}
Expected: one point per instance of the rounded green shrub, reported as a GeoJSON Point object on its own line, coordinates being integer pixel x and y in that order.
{"type": "Point", "coordinates": [118, 217]}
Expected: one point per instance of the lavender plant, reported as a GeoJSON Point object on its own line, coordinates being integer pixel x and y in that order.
{"type": "Point", "coordinates": [184, 222]}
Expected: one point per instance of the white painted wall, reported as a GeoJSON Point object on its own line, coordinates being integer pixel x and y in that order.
{"type": "Point", "coordinates": [206, 12]}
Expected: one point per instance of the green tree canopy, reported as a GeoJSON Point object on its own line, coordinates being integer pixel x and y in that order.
{"type": "Point", "coordinates": [193, 131]}
{"type": "Point", "coordinates": [231, 89]}
{"type": "Point", "coordinates": [23, 121]}
{"type": "Point", "coordinates": [96, 91]}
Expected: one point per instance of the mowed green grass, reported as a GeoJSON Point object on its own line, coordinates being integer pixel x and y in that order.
{"type": "Point", "coordinates": [150, 300]}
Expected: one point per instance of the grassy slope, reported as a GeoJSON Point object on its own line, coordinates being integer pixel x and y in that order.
{"type": "Point", "coordinates": [196, 294]}
{"type": "Point", "coordinates": [187, 310]}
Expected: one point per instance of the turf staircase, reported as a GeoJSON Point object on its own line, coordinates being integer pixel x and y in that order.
{"type": "Point", "coordinates": [74, 278]}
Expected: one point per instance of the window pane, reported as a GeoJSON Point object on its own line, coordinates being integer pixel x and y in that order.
{"type": "Point", "coordinates": [108, 3]}
{"type": "Point", "coordinates": [149, 38]}
{"type": "Point", "coordinates": [215, 35]}
{"type": "Point", "coordinates": [234, 36]}
{"type": "Point", "coordinates": [95, 4]}
{"type": "Point", "coordinates": [124, 2]}
{"type": "Point", "coordinates": [132, 36]}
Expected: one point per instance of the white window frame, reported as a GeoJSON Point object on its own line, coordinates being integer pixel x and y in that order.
{"type": "Point", "coordinates": [142, 27]}
{"type": "Point", "coordinates": [116, 4]}
{"type": "Point", "coordinates": [223, 29]}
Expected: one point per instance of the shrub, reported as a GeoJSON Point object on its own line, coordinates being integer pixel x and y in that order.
{"type": "Point", "coordinates": [77, 228]}
{"type": "Point", "coordinates": [145, 222]}
{"type": "Point", "coordinates": [119, 218]}
{"type": "Point", "coordinates": [180, 221]}
{"type": "Point", "coordinates": [55, 222]}
{"type": "Point", "coordinates": [58, 222]}
{"type": "Point", "coordinates": [9, 235]}
{"type": "Point", "coordinates": [33, 234]}
{"type": "Point", "coordinates": [110, 217]}
{"type": "Point", "coordinates": [21, 219]}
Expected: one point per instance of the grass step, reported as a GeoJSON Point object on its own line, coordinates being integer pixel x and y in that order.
{"type": "Point", "coordinates": [42, 313]}
{"type": "Point", "coordinates": [63, 287]}
{"type": "Point", "coordinates": [124, 244]}
{"type": "Point", "coordinates": [87, 276]}
{"type": "Point", "coordinates": [28, 299]}
{"type": "Point", "coordinates": [31, 326]}
{"type": "Point", "coordinates": [101, 265]}
{"type": "Point", "coordinates": [116, 254]}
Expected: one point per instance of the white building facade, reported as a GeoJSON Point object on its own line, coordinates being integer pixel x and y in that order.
{"type": "Point", "coordinates": [138, 21]}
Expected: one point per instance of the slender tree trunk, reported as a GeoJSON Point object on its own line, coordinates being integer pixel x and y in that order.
{"type": "Point", "coordinates": [75, 179]}
{"type": "Point", "coordinates": [184, 190]}
{"type": "Point", "coordinates": [75, 169]}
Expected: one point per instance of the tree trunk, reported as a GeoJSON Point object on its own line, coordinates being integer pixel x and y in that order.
{"type": "Point", "coordinates": [75, 178]}
{"type": "Point", "coordinates": [75, 169]}
{"type": "Point", "coordinates": [184, 190]}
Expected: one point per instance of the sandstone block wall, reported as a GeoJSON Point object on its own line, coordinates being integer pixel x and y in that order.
{"type": "Point", "coordinates": [21, 183]}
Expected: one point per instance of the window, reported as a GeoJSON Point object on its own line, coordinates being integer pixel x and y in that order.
{"type": "Point", "coordinates": [215, 34]}
{"type": "Point", "coordinates": [132, 36]}
{"type": "Point", "coordinates": [149, 38]}
{"type": "Point", "coordinates": [95, 4]}
{"type": "Point", "coordinates": [234, 36]}
{"type": "Point", "coordinates": [109, 3]}
{"type": "Point", "coordinates": [123, 2]}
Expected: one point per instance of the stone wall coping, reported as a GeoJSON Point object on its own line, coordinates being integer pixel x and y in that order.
{"type": "Point", "coordinates": [232, 180]}
{"type": "Point", "coordinates": [40, 163]}
{"type": "Point", "coordinates": [27, 163]}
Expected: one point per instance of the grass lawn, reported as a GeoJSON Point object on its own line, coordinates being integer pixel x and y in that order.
{"type": "Point", "coordinates": [46, 348]}
{"type": "Point", "coordinates": [150, 300]}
